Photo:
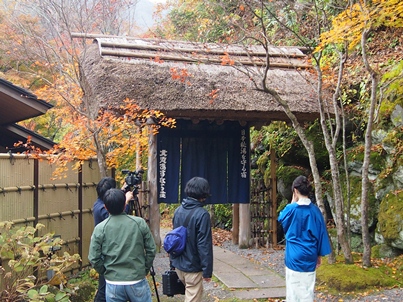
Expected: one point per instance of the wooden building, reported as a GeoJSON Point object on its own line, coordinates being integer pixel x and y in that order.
{"type": "Point", "coordinates": [18, 104]}
{"type": "Point", "coordinates": [200, 83]}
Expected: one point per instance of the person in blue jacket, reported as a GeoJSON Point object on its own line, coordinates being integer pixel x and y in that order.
{"type": "Point", "coordinates": [306, 241]}
{"type": "Point", "coordinates": [100, 213]}
{"type": "Point", "coordinates": [195, 264]}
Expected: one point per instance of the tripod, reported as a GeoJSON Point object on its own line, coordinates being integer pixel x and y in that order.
{"type": "Point", "coordinates": [134, 204]}
{"type": "Point", "coordinates": [135, 208]}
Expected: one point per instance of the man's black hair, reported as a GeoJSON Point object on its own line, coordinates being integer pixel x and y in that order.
{"type": "Point", "coordinates": [197, 188]}
{"type": "Point", "coordinates": [114, 200]}
{"type": "Point", "coordinates": [104, 185]}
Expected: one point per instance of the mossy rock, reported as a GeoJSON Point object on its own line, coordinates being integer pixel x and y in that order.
{"type": "Point", "coordinates": [285, 176]}
{"type": "Point", "coordinates": [356, 243]}
{"type": "Point", "coordinates": [385, 251]}
{"type": "Point", "coordinates": [355, 206]}
{"type": "Point", "coordinates": [288, 173]}
{"type": "Point", "coordinates": [342, 277]}
{"type": "Point", "coordinates": [377, 159]}
{"type": "Point", "coordinates": [390, 216]}
{"type": "Point", "coordinates": [394, 137]}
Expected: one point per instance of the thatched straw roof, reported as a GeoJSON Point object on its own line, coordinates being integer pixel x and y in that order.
{"type": "Point", "coordinates": [188, 80]}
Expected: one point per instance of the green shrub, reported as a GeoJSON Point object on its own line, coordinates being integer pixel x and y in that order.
{"type": "Point", "coordinates": [26, 259]}
{"type": "Point", "coordinates": [223, 215]}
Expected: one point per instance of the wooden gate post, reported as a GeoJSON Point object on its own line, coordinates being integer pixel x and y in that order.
{"type": "Point", "coordinates": [235, 223]}
{"type": "Point", "coordinates": [244, 225]}
{"type": "Point", "coordinates": [80, 215]}
{"type": "Point", "coordinates": [36, 191]}
{"type": "Point", "coordinates": [273, 196]}
{"type": "Point", "coordinates": [153, 195]}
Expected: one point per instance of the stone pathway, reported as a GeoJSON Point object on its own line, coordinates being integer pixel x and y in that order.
{"type": "Point", "coordinates": [246, 279]}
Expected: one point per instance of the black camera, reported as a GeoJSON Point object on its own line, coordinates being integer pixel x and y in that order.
{"type": "Point", "coordinates": [133, 183]}
{"type": "Point", "coordinates": [133, 178]}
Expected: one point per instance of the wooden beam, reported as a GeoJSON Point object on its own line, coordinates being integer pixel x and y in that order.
{"type": "Point", "coordinates": [205, 60]}
{"type": "Point", "coordinates": [196, 47]}
{"type": "Point", "coordinates": [199, 50]}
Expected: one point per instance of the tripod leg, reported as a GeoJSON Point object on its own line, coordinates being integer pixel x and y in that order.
{"type": "Point", "coordinates": [152, 272]}
{"type": "Point", "coordinates": [131, 207]}
{"type": "Point", "coordinates": [138, 208]}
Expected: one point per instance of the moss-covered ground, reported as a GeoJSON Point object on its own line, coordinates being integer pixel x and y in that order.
{"type": "Point", "coordinates": [353, 279]}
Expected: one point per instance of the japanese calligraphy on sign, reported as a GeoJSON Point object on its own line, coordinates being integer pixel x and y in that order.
{"type": "Point", "coordinates": [244, 153]}
{"type": "Point", "coordinates": [162, 172]}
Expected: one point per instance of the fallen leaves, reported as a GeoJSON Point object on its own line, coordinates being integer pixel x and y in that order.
{"type": "Point", "coordinates": [220, 236]}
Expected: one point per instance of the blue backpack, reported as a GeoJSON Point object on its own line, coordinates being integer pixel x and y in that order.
{"type": "Point", "coordinates": [175, 240]}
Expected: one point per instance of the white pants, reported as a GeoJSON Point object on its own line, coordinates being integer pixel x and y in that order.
{"type": "Point", "coordinates": [300, 286]}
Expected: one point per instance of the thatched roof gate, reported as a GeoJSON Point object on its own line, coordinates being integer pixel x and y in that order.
{"type": "Point", "coordinates": [196, 82]}
{"type": "Point", "coordinates": [190, 81]}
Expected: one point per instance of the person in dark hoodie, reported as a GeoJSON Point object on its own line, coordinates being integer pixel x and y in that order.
{"type": "Point", "coordinates": [195, 264]}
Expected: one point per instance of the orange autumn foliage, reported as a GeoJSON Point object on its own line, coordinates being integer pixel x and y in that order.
{"type": "Point", "coordinates": [113, 135]}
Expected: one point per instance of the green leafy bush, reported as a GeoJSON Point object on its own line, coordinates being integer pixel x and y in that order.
{"type": "Point", "coordinates": [26, 260]}
{"type": "Point", "coordinates": [223, 216]}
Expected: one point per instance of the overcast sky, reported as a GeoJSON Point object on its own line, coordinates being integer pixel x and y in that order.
{"type": "Point", "coordinates": [144, 12]}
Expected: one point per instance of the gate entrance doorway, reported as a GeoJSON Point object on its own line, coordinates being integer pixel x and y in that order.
{"type": "Point", "coordinates": [263, 210]}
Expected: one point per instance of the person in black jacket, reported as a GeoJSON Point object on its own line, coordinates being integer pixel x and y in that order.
{"type": "Point", "coordinates": [195, 264]}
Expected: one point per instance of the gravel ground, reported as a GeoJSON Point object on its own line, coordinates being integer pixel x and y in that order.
{"type": "Point", "coordinates": [271, 258]}
{"type": "Point", "coordinates": [213, 291]}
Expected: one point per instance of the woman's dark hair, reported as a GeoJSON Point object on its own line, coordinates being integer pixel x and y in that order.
{"type": "Point", "coordinates": [104, 185]}
{"type": "Point", "coordinates": [302, 184]}
{"type": "Point", "coordinates": [114, 200]}
{"type": "Point", "coordinates": [197, 188]}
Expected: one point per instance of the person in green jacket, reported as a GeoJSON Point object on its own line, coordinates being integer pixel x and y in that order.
{"type": "Point", "coordinates": [123, 250]}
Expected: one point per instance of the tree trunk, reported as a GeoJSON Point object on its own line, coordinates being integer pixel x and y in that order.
{"type": "Point", "coordinates": [366, 257]}
{"type": "Point", "coordinates": [314, 168]}
{"type": "Point", "coordinates": [331, 135]}
{"type": "Point", "coordinates": [340, 221]}
{"type": "Point", "coordinates": [308, 146]}
{"type": "Point", "coordinates": [342, 235]}
{"type": "Point", "coordinates": [138, 151]}
{"type": "Point", "coordinates": [319, 198]}
{"type": "Point", "coordinates": [103, 170]}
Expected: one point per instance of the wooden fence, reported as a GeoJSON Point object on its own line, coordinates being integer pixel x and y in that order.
{"type": "Point", "coordinates": [29, 195]}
